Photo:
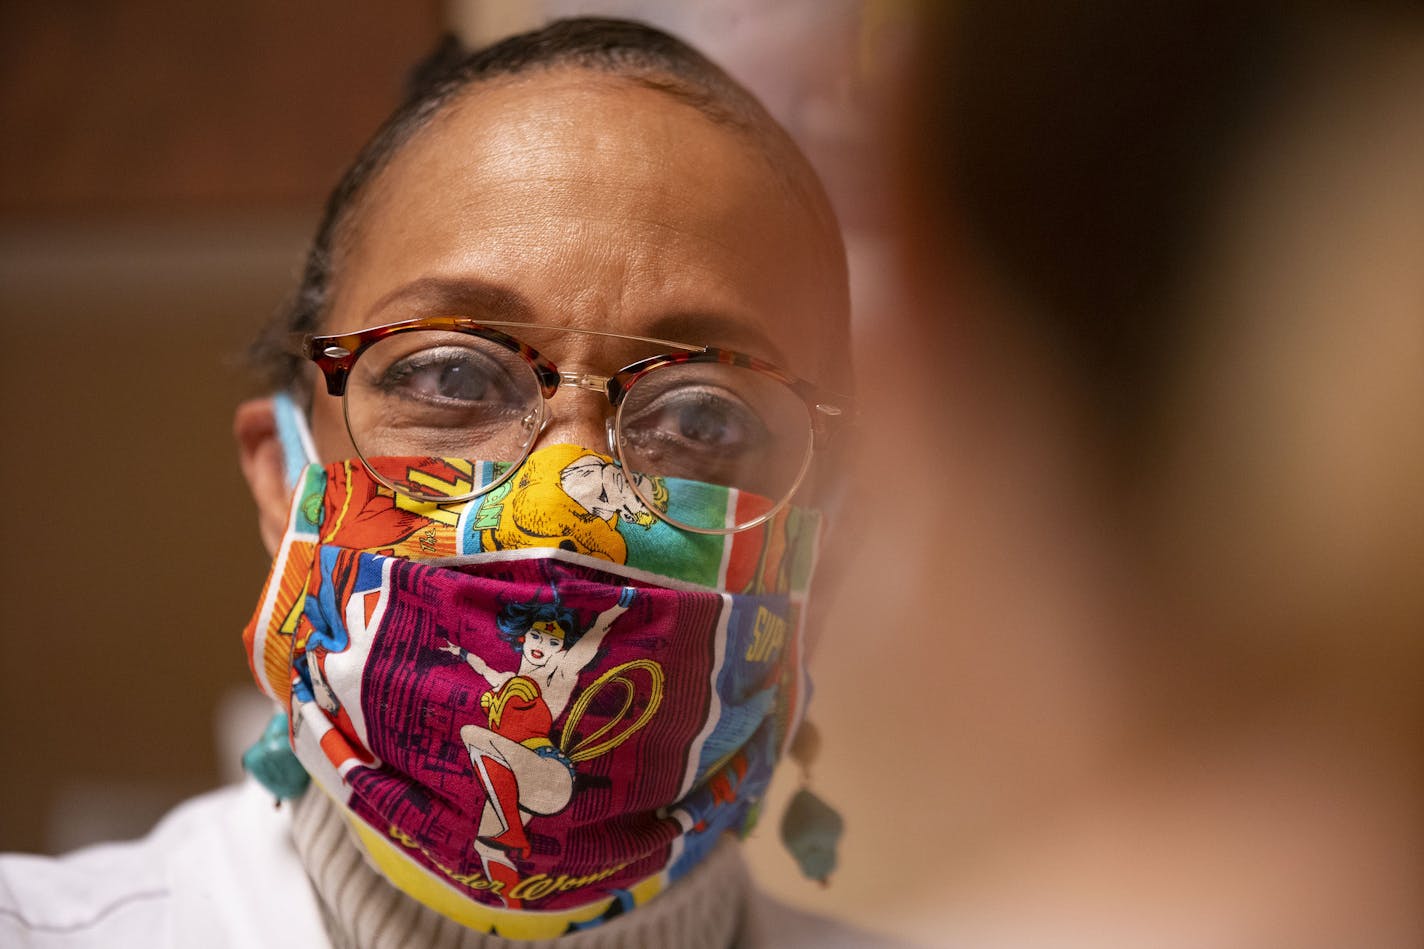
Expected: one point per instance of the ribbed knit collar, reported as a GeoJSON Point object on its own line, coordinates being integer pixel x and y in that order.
{"type": "Point", "coordinates": [362, 910]}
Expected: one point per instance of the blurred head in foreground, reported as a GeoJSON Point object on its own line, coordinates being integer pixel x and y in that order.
{"type": "Point", "coordinates": [1165, 259]}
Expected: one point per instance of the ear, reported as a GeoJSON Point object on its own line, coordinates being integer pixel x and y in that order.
{"type": "Point", "coordinates": [260, 452]}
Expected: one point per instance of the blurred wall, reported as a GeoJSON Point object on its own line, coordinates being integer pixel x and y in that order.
{"type": "Point", "coordinates": [163, 165]}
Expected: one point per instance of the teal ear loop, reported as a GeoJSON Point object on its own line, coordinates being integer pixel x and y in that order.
{"type": "Point", "coordinates": [270, 759]}
{"type": "Point", "coordinates": [298, 451]}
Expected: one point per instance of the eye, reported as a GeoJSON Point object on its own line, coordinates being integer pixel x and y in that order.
{"type": "Point", "coordinates": [442, 394]}
{"type": "Point", "coordinates": [449, 374]}
{"type": "Point", "coordinates": [717, 423]}
{"type": "Point", "coordinates": [555, 643]}
{"type": "Point", "coordinates": [703, 420]}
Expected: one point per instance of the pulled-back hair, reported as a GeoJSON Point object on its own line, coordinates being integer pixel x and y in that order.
{"type": "Point", "coordinates": [626, 49]}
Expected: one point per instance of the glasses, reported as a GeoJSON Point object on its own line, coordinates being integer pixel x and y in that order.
{"type": "Point", "coordinates": [451, 387]}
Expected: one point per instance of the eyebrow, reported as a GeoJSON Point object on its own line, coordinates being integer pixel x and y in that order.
{"type": "Point", "coordinates": [456, 296]}
{"type": "Point", "coordinates": [469, 296]}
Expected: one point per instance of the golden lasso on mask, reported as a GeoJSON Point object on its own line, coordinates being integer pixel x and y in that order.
{"type": "Point", "coordinates": [590, 747]}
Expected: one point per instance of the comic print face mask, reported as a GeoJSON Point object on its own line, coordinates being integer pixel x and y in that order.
{"type": "Point", "coordinates": [542, 706]}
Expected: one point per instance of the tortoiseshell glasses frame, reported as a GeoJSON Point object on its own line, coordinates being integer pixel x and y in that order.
{"type": "Point", "coordinates": [336, 356]}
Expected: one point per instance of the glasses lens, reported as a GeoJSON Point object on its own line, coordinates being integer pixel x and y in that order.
{"type": "Point", "coordinates": [436, 394]}
{"type": "Point", "coordinates": [715, 424]}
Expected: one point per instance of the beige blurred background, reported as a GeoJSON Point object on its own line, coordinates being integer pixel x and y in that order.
{"type": "Point", "coordinates": [162, 166]}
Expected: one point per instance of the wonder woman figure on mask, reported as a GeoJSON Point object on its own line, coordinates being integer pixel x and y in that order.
{"type": "Point", "coordinates": [553, 649]}
{"type": "Point", "coordinates": [582, 247]}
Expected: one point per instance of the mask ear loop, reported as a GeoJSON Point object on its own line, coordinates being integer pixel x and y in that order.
{"type": "Point", "coordinates": [298, 449]}
{"type": "Point", "coordinates": [270, 760]}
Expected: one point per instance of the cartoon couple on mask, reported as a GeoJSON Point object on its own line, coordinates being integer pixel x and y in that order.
{"type": "Point", "coordinates": [523, 772]}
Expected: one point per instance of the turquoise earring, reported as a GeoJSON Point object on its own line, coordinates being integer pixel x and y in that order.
{"type": "Point", "coordinates": [811, 829]}
{"type": "Point", "coordinates": [271, 762]}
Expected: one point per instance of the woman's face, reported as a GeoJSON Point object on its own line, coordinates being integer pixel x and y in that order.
{"type": "Point", "coordinates": [541, 642]}
{"type": "Point", "coordinates": [573, 199]}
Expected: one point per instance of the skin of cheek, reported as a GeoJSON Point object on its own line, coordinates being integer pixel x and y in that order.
{"type": "Point", "coordinates": [328, 427]}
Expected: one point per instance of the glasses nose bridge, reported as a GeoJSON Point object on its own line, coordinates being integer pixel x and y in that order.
{"type": "Point", "coordinates": [593, 382]}
{"type": "Point", "coordinates": [585, 380]}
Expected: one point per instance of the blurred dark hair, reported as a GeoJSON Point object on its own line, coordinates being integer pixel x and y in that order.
{"type": "Point", "coordinates": [1077, 146]}
{"type": "Point", "coordinates": [626, 49]}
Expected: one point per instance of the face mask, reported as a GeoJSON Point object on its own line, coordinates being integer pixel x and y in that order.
{"type": "Point", "coordinates": [540, 707]}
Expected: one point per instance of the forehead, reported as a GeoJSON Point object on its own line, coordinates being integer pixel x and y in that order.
{"type": "Point", "coordinates": [569, 198]}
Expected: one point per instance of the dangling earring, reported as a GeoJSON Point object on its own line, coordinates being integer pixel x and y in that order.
{"type": "Point", "coordinates": [271, 762]}
{"type": "Point", "coordinates": [811, 829]}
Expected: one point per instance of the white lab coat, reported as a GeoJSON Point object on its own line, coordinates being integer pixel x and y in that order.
{"type": "Point", "coordinates": [220, 872]}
